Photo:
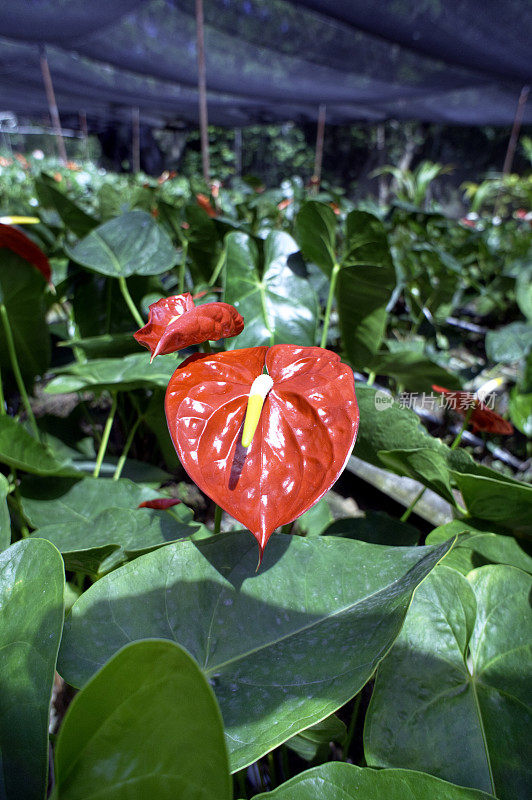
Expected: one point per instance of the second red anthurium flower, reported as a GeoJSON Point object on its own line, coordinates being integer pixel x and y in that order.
{"type": "Point", "coordinates": [175, 322]}
{"type": "Point", "coordinates": [305, 431]}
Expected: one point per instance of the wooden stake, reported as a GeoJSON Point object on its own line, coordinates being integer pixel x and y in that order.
{"type": "Point", "coordinates": [202, 92]}
{"type": "Point", "coordinates": [84, 132]}
{"type": "Point", "coordinates": [320, 134]}
{"type": "Point", "coordinates": [516, 127]}
{"type": "Point", "coordinates": [135, 139]}
{"type": "Point", "coordinates": [52, 105]}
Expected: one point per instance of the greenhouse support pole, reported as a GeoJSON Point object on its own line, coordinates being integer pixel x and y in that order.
{"type": "Point", "coordinates": [238, 151]}
{"type": "Point", "coordinates": [135, 139]}
{"type": "Point", "coordinates": [84, 132]}
{"type": "Point", "coordinates": [52, 105]}
{"type": "Point", "coordinates": [516, 127]}
{"type": "Point", "coordinates": [202, 92]}
{"type": "Point", "coordinates": [320, 134]}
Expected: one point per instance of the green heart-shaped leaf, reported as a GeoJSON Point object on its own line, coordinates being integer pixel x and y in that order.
{"type": "Point", "coordinates": [32, 584]}
{"type": "Point", "coordinates": [241, 626]}
{"type": "Point", "coordinates": [278, 306]}
{"type": "Point", "coordinates": [338, 781]}
{"type": "Point", "coordinates": [146, 725]}
{"type": "Point", "coordinates": [478, 546]}
{"type": "Point", "coordinates": [131, 244]}
{"type": "Point", "coordinates": [20, 450]}
{"type": "Point", "coordinates": [452, 698]}
{"type": "Point", "coordinates": [122, 374]}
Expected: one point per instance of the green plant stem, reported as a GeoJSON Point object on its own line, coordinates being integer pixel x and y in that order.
{"type": "Point", "coordinates": [352, 726]}
{"type": "Point", "coordinates": [182, 268]}
{"type": "Point", "coordinates": [130, 304]}
{"type": "Point", "coordinates": [413, 504]}
{"type": "Point", "coordinates": [217, 519]}
{"type": "Point", "coordinates": [218, 268]}
{"type": "Point", "coordinates": [16, 369]}
{"type": "Point", "coordinates": [465, 423]}
{"type": "Point", "coordinates": [206, 347]}
{"type": "Point", "coordinates": [272, 771]}
{"type": "Point", "coordinates": [326, 320]}
{"type": "Point", "coordinates": [454, 445]}
{"type": "Point", "coordinates": [105, 435]}
{"type": "Point", "coordinates": [371, 379]}
{"type": "Point", "coordinates": [3, 409]}
{"type": "Point", "coordinates": [125, 451]}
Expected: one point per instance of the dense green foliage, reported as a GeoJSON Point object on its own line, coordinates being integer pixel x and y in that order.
{"type": "Point", "coordinates": [190, 665]}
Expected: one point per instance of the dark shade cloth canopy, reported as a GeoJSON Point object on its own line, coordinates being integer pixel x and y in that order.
{"type": "Point", "coordinates": [448, 61]}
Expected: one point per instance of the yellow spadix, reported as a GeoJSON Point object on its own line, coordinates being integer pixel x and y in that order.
{"type": "Point", "coordinates": [257, 395]}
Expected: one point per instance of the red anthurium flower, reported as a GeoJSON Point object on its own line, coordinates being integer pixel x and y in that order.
{"type": "Point", "coordinates": [482, 417]}
{"type": "Point", "coordinates": [305, 430]}
{"type": "Point", "coordinates": [160, 503]}
{"type": "Point", "coordinates": [203, 201]}
{"type": "Point", "coordinates": [19, 243]}
{"type": "Point", "coordinates": [175, 322]}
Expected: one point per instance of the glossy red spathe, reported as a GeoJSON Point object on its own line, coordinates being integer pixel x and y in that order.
{"type": "Point", "coordinates": [482, 418]}
{"type": "Point", "coordinates": [160, 503]}
{"type": "Point", "coordinates": [175, 322]}
{"type": "Point", "coordinates": [20, 244]}
{"type": "Point", "coordinates": [305, 435]}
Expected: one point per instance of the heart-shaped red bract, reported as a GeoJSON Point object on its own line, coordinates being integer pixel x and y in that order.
{"type": "Point", "coordinates": [175, 322]}
{"type": "Point", "coordinates": [305, 435]}
{"type": "Point", "coordinates": [19, 243]}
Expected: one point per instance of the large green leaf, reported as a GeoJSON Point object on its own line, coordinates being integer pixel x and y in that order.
{"type": "Point", "coordinates": [202, 237]}
{"type": "Point", "coordinates": [31, 598]}
{"type": "Point", "coordinates": [132, 244]}
{"type": "Point", "coordinates": [51, 501]}
{"type": "Point", "coordinates": [376, 527]}
{"type": "Point", "coordinates": [20, 450]}
{"type": "Point", "coordinates": [387, 425]}
{"type": "Point", "coordinates": [315, 231]}
{"type": "Point", "coordinates": [284, 647]}
{"type": "Point", "coordinates": [5, 521]}
{"type": "Point", "coordinates": [339, 781]}
{"type": "Point", "coordinates": [497, 500]}
{"type": "Point", "coordinates": [365, 284]}
{"type": "Point", "coordinates": [22, 291]}
{"type": "Point", "coordinates": [477, 546]}
{"type": "Point", "coordinates": [74, 218]}
{"type": "Point", "coordinates": [452, 697]}
{"type": "Point", "coordinates": [146, 726]}
{"type": "Point", "coordinates": [120, 374]}
{"type": "Point", "coordinates": [115, 535]}
{"type": "Point", "coordinates": [278, 306]}
{"type": "Point", "coordinates": [423, 464]}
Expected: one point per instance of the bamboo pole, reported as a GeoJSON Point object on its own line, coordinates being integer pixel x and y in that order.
{"type": "Point", "coordinates": [135, 139]}
{"type": "Point", "coordinates": [84, 132]}
{"type": "Point", "coordinates": [202, 92]}
{"type": "Point", "coordinates": [516, 127]}
{"type": "Point", "coordinates": [318, 159]}
{"type": "Point", "coordinates": [52, 105]}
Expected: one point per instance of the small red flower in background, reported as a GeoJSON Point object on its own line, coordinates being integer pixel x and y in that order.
{"type": "Point", "coordinates": [204, 203]}
{"type": "Point", "coordinates": [175, 322]}
{"type": "Point", "coordinates": [284, 203]}
{"type": "Point", "coordinates": [482, 417]}
{"type": "Point", "coordinates": [22, 160]}
{"type": "Point", "coordinates": [306, 430]}
{"type": "Point", "coordinates": [167, 175]}
{"type": "Point", "coordinates": [19, 243]}
{"type": "Point", "coordinates": [160, 503]}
